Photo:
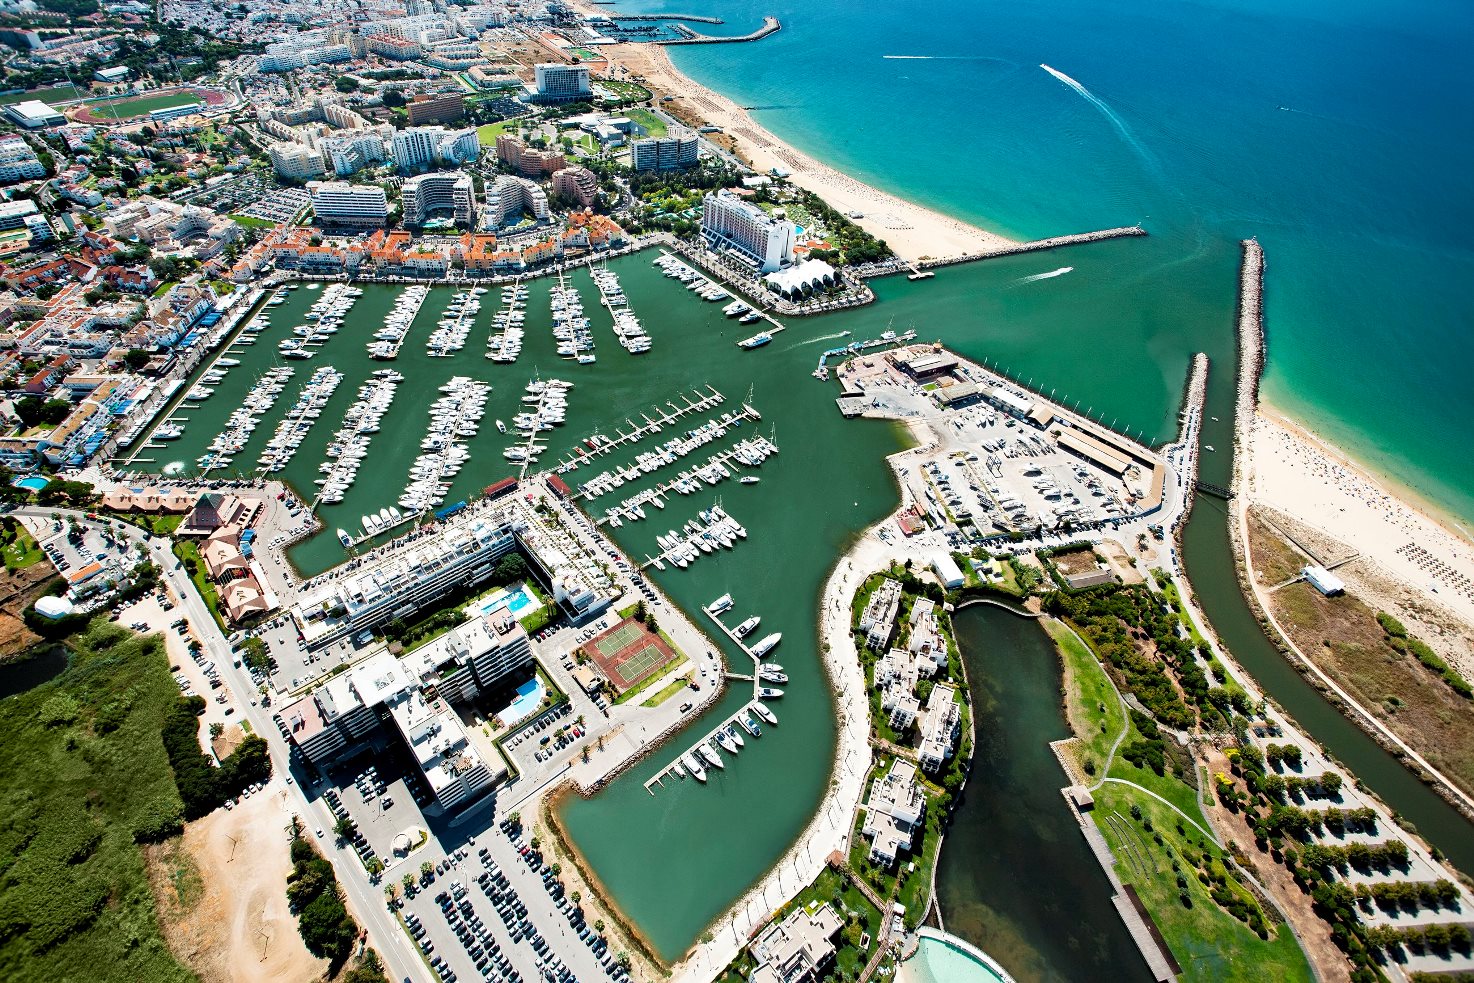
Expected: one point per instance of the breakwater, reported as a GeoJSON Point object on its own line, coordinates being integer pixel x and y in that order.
{"type": "Point", "coordinates": [1190, 425]}
{"type": "Point", "coordinates": [693, 18]}
{"type": "Point", "coordinates": [1037, 245]}
{"type": "Point", "coordinates": [771, 25]}
{"type": "Point", "coordinates": [1250, 320]}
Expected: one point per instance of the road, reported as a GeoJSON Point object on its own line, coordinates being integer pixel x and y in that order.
{"type": "Point", "coordinates": [365, 899]}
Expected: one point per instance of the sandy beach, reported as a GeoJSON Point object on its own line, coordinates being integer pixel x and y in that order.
{"type": "Point", "coordinates": [1409, 562]}
{"type": "Point", "coordinates": [912, 232]}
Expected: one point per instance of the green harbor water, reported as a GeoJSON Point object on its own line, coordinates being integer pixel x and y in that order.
{"type": "Point", "coordinates": [1114, 335]}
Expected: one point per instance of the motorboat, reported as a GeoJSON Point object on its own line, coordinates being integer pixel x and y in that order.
{"type": "Point", "coordinates": [772, 675]}
{"type": "Point", "coordinates": [769, 693]}
{"type": "Point", "coordinates": [694, 767]}
{"type": "Point", "coordinates": [345, 539]}
{"type": "Point", "coordinates": [721, 604]}
{"type": "Point", "coordinates": [750, 479]}
{"type": "Point", "coordinates": [750, 725]}
{"type": "Point", "coordinates": [766, 714]}
{"type": "Point", "coordinates": [747, 626]}
{"type": "Point", "coordinates": [725, 740]}
{"type": "Point", "coordinates": [767, 644]}
{"type": "Point", "coordinates": [710, 755]}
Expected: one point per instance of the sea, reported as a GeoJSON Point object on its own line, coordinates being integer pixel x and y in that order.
{"type": "Point", "coordinates": [1337, 134]}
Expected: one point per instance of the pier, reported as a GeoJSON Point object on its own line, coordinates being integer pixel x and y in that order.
{"type": "Point", "coordinates": [730, 283]}
{"type": "Point", "coordinates": [731, 721]}
{"type": "Point", "coordinates": [857, 347]}
{"type": "Point", "coordinates": [1038, 245]}
{"type": "Point", "coordinates": [663, 419]}
{"type": "Point", "coordinates": [771, 25]}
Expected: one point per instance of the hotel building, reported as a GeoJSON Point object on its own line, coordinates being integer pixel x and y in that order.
{"type": "Point", "coordinates": [556, 82]}
{"type": "Point", "coordinates": [730, 224]}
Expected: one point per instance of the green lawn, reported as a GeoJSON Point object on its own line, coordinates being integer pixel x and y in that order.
{"type": "Point", "coordinates": [488, 132]}
{"type": "Point", "coordinates": [187, 551]}
{"type": "Point", "coordinates": [130, 106]}
{"type": "Point", "coordinates": [51, 95]}
{"type": "Point", "coordinates": [653, 125]}
{"type": "Point", "coordinates": [1087, 689]}
{"type": "Point", "coordinates": [1210, 943]}
{"type": "Point", "coordinates": [666, 693]}
{"type": "Point", "coordinates": [251, 222]}
{"type": "Point", "coordinates": [21, 549]}
{"type": "Point", "coordinates": [85, 776]}
{"type": "Point", "coordinates": [1174, 790]}
{"type": "Point", "coordinates": [164, 288]}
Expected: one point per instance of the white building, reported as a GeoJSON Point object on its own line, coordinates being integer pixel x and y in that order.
{"type": "Point", "coordinates": [729, 223]}
{"type": "Point", "coordinates": [878, 620]}
{"type": "Point", "coordinates": [562, 83]}
{"type": "Point", "coordinates": [939, 727]}
{"type": "Point", "coordinates": [34, 114]}
{"type": "Point", "coordinates": [895, 810]}
{"type": "Point", "coordinates": [296, 161]}
{"type": "Point", "coordinates": [429, 193]}
{"type": "Point", "coordinates": [18, 162]}
{"type": "Point", "coordinates": [420, 147]}
{"type": "Point", "coordinates": [341, 203]}
{"type": "Point", "coordinates": [509, 197]}
{"type": "Point", "coordinates": [352, 152]}
{"type": "Point", "coordinates": [677, 149]}
{"type": "Point", "coordinates": [1323, 580]}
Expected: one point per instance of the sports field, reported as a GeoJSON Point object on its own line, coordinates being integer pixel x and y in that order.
{"type": "Point", "coordinates": [628, 653]}
{"type": "Point", "coordinates": [53, 95]}
{"type": "Point", "coordinates": [135, 107]}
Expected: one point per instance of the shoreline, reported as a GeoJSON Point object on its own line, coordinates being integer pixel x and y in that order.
{"type": "Point", "coordinates": [914, 232]}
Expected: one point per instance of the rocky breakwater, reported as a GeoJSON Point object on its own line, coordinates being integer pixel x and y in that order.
{"type": "Point", "coordinates": [1035, 246]}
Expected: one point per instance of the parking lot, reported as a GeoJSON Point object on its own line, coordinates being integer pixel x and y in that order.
{"type": "Point", "coordinates": [72, 549]}
{"type": "Point", "coordinates": [492, 910]}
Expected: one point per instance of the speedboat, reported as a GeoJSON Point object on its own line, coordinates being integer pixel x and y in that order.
{"type": "Point", "coordinates": [750, 479]}
{"type": "Point", "coordinates": [710, 754]}
{"type": "Point", "coordinates": [750, 725]}
{"type": "Point", "coordinates": [344, 538]}
{"type": "Point", "coordinates": [725, 740]}
{"type": "Point", "coordinates": [747, 626]}
{"type": "Point", "coordinates": [721, 604]}
{"type": "Point", "coordinates": [732, 733]}
{"type": "Point", "coordinates": [766, 714]}
{"type": "Point", "coordinates": [769, 693]}
{"type": "Point", "coordinates": [694, 767]}
{"type": "Point", "coordinates": [766, 644]}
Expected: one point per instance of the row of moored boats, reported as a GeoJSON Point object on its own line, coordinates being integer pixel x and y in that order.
{"type": "Point", "coordinates": [349, 447]}
{"type": "Point", "coordinates": [454, 417]}
{"type": "Point", "coordinates": [294, 427]}
{"type": "Point", "coordinates": [387, 341]}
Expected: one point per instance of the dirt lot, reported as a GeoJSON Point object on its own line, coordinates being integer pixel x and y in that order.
{"type": "Point", "coordinates": [17, 589]}
{"type": "Point", "coordinates": [222, 896]}
{"type": "Point", "coordinates": [1275, 561]}
{"type": "Point", "coordinates": [1410, 698]}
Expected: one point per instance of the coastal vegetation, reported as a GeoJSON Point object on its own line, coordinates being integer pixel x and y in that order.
{"type": "Point", "coordinates": [1148, 807]}
{"type": "Point", "coordinates": [1384, 667]}
{"type": "Point", "coordinates": [88, 781]}
{"type": "Point", "coordinates": [326, 927]}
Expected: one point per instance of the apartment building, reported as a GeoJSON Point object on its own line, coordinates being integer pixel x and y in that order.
{"type": "Point", "coordinates": [429, 193]}
{"type": "Point", "coordinates": [878, 621]}
{"type": "Point", "coordinates": [797, 949]}
{"type": "Point", "coordinates": [679, 148]}
{"type": "Point", "coordinates": [417, 148]}
{"type": "Point", "coordinates": [939, 727]}
{"type": "Point", "coordinates": [508, 198]}
{"type": "Point", "coordinates": [18, 161]}
{"type": "Point", "coordinates": [893, 813]}
{"type": "Point", "coordinates": [436, 109]}
{"type": "Point", "coordinates": [296, 161]}
{"type": "Point", "coordinates": [577, 183]}
{"type": "Point", "coordinates": [341, 203]}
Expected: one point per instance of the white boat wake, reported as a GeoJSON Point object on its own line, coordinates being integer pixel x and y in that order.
{"type": "Point", "coordinates": [1045, 276]}
{"type": "Point", "coordinates": [816, 340]}
{"type": "Point", "coordinates": [1109, 114]}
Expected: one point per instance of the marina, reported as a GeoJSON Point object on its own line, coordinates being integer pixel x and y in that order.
{"type": "Point", "coordinates": [505, 341]}
{"type": "Point", "coordinates": [571, 327]}
{"type": "Point", "coordinates": [388, 340]}
{"type": "Point", "coordinates": [627, 327]}
{"type": "Point", "coordinates": [725, 736]}
{"type": "Point", "coordinates": [598, 443]}
{"type": "Point", "coordinates": [294, 427]}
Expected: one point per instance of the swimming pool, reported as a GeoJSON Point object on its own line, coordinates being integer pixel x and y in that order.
{"type": "Point", "coordinates": [34, 483]}
{"type": "Point", "coordinates": [944, 958]}
{"type": "Point", "coordinates": [529, 698]}
{"type": "Point", "coordinates": [517, 600]}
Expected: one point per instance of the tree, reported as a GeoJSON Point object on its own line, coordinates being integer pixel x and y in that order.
{"type": "Point", "coordinates": [344, 828]}
{"type": "Point", "coordinates": [216, 729]}
{"type": "Point", "coordinates": [392, 98]}
{"type": "Point", "coordinates": [346, 83]}
{"type": "Point", "coordinates": [137, 358]}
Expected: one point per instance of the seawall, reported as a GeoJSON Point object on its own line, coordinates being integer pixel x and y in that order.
{"type": "Point", "coordinates": [771, 25]}
{"type": "Point", "coordinates": [1037, 245]}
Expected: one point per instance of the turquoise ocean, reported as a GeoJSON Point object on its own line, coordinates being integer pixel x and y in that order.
{"type": "Point", "coordinates": [1341, 135]}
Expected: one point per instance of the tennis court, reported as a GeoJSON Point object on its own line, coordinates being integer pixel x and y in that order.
{"type": "Point", "coordinates": [628, 653]}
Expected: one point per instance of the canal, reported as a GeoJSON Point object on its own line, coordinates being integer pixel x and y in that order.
{"type": "Point", "coordinates": [1016, 877]}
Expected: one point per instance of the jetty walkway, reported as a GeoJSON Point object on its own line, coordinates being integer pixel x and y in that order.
{"type": "Point", "coordinates": [1038, 245]}
{"type": "Point", "coordinates": [669, 770]}
{"type": "Point", "coordinates": [596, 447]}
